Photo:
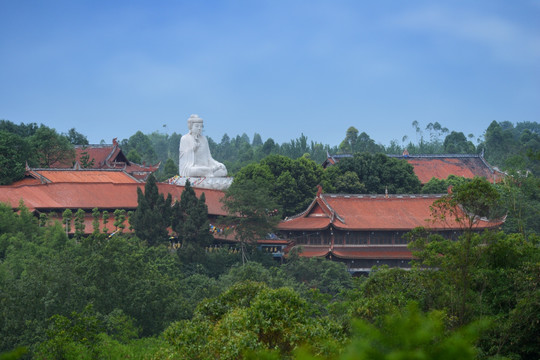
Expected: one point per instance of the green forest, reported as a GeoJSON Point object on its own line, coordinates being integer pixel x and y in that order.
{"type": "Point", "coordinates": [130, 296]}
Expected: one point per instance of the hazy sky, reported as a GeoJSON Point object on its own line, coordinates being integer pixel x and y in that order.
{"type": "Point", "coordinates": [278, 68]}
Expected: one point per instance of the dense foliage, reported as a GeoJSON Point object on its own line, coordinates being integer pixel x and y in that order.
{"type": "Point", "coordinates": [292, 184]}
{"type": "Point", "coordinates": [508, 146]}
{"type": "Point", "coordinates": [135, 296]}
{"type": "Point", "coordinates": [153, 214]}
{"type": "Point", "coordinates": [15, 152]}
{"type": "Point", "coordinates": [372, 174]}
{"type": "Point", "coordinates": [513, 147]}
{"type": "Point", "coordinates": [37, 146]}
{"type": "Point", "coordinates": [119, 297]}
{"type": "Point", "coordinates": [253, 213]}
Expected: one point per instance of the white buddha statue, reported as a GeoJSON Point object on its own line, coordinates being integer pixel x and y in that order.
{"type": "Point", "coordinates": [195, 158]}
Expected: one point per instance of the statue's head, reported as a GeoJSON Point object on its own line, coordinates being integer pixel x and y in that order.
{"type": "Point", "coordinates": [194, 118]}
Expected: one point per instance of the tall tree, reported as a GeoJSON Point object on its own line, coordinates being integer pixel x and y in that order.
{"type": "Point", "coordinates": [366, 144]}
{"type": "Point", "coordinates": [52, 148]}
{"type": "Point", "coordinates": [499, 144]}
{"type": "Point", "coordinates": [189, 221]}
{"type": "Point", "coordinates": [76, 138]}
{"type": "Point", "coordinates": [152, 217]}
{"type": "Point", "coordinates": [257, 140]}
{"type": "Point", "coordinates": [436, 130]}
{"type": "Point", "coordinates": [170, 169]}
{"type": "Point", "coordinates": [457, 143]}
{"type": "Point", "coordinates": [520, 194]}
{"type": "Point", "coordinates": [269, 146]}
{"type": "Point", "coordinates": [14, 151]}
{"type": "Point", "coordinates": [376, 173]}
{"type": "Point", "coordinates": [348, 145]}
{"type": "Point", "coordinates": [143, 146]}
{"type": "Point", "coordinates": [253, 213]}
{"type": "Point", "coordinates": [23, 130]}
{"type": "Point", "coordinates": [284, 177]}
{"type": "Point", "coordinates": [466, 204]}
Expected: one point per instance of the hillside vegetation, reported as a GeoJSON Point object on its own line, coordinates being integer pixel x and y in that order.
{"type": "Point", "coordinates": [132, 296]}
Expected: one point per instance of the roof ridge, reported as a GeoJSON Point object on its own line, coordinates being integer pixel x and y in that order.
{"type": "Point", "coordinates": [302, 213]}
{"type": "Point", "coordinates": [384, 196]}
{"type": "Point", "coordinates": [86, 183]}
{"type": "Point", "coordinates": [72, 169]}
{"type": "Point", "coordinates": [93, 146]}
{"type": "Point", "coordinates": [114, 147]}
{"type": "Point", "coordinates": [417, 155]}
{"type": "Point", "coordinates": [491, 169]}
{"type": "Point", "coordinates": [334, 212]}
{"type": "Point", "coordinates": [435, 156]}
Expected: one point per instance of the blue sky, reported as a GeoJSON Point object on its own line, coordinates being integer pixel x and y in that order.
{"type": "Point", "coordinates": [278, 68]}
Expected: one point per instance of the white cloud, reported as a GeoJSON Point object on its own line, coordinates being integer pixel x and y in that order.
{"type": "Point", "coordinates": [506, 39]}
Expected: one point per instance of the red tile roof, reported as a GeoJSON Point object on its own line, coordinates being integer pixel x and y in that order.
{"type": "Point", "coordinates": [76, 176]}
{"type": "Point", "coordinates": [109, 156]}
{"type": "Point", "coordinates": [27, 181]}
{"type": "Point", "coordinates": [372, 212]}
{"type": "Point", "coordinates": [314, 250]}
{"type": "Point", "coordinates": [101, 154]}
{"type": "Point", "coordinates": [427, 167]}
{"type": "Point", "coordinates": [305, 223]}
{"type": "Point", "coordinates": [86, 196]}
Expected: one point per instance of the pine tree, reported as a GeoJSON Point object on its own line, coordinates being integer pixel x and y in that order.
{"type": "Point", "coordinates": [190, 223]}
{"type": "Point", "coordinates": [152, 217]}
{"type": "Point", "coordinates": [170, 169]}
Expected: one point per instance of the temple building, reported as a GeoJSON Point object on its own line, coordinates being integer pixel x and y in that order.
{"type": "Point", "coordinates": [107, 156]}
{"type": "Point", "coordinates": [359, 230]}
{"type": "Point", "coordinates": [53, 191]}
{"type": "Point", "coordinates": [366, 230]}
{"type": "Point", "coordinates": [34, 176]}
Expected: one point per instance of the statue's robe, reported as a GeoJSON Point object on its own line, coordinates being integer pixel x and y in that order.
{"type": "Point", "coordinates": [196, 160]}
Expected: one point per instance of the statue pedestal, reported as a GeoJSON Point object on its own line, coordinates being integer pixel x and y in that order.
{"type": "Point", "coordinates": [216, 183]}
